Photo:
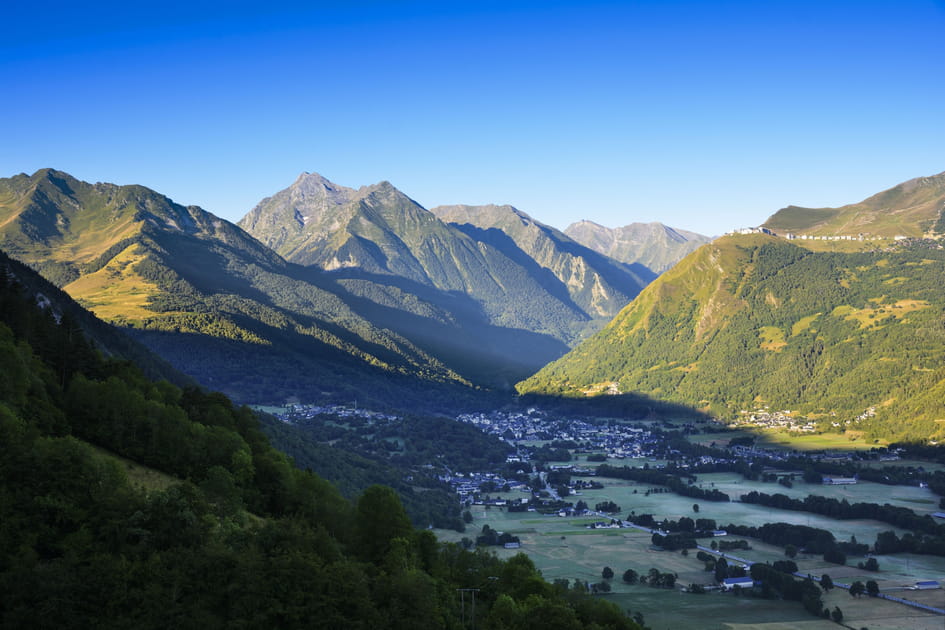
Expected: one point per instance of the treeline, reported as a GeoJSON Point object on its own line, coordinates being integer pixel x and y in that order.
{"type": "Point", "coordinates": [673, 482]}
{"type": "Point", "coordinates": [238, 538]}
{"type": "Point", "coordinates": [811, 539]}
{"type": "Point", "coordinates": [841, 509]}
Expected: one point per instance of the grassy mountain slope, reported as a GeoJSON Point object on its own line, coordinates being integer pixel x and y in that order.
{"type": "Point", "coordinates": [913, 208]}
{"type": "Point", "coordinates": [380, 234]}
{"type": "Point", "coordinates": [752, 321]}
{"type": "Point", "coordinates": [653, 245]}
{"type": "Point", "coordinates": [215, 302]}
{"type": "Point", "coordinates": [598, 285]}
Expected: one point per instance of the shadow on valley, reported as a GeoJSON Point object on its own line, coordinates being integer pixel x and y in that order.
{"type": "Point", "coordinates": [309, 372]}
{"type": "Point", "coordinates": [630, 406]}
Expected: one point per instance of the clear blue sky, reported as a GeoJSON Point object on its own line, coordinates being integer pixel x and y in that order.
{"type": "Point", "coordinates": [703, 115]}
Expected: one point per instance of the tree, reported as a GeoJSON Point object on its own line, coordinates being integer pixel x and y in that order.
{"type": "Point", "coordinates": [380, 519]}
{"type": "Point", "coordinates": [837, 614]}
{"type": "Point", "coordinates": [607, 573]}
{"type": "Point", "coordinates": [695, 508]}
{"type": "Point", "coordinates": [857, 589]}
{"type": "Point", "coordinates": [872, 588]}
{"type": "Point", "coordinates": [790, 551]}
{"type": "Point", "coordinates": [630, 576]}
{"type": "Point", "coordinates": [826, 582]}
{"type": "Point", "coordinates": [871, 564]}
{"type": "Point", "coordinates": [721, 569]}
{"type": "Point", "coordinates": [467, 516]}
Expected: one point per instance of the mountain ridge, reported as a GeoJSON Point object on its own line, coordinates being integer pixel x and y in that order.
{"type": "Point", "coordinates": [913, 208]}
{"type": "Point", "coordinates": [653, 245]}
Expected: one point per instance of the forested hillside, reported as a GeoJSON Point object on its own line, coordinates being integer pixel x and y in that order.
{"type": "Point", "coordinates": [233, 536]}
{"type": "Point", "coordinates": [850, 340]}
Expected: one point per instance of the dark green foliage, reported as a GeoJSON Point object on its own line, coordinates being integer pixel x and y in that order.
{"type": "Point", "coordinates": [859, 330]}
{"type": "Point", "coordinates": [841, 509]}
{"type": "Point", "coordinates": [673, 482]}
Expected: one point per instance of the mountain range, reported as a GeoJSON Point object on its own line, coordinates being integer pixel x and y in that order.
{"type": "Point", "coordinates": [327, 292]}
{"type": "Point", "coordinates": [656, 246]}
{"type": "Point", "coordinates": [753, 324]}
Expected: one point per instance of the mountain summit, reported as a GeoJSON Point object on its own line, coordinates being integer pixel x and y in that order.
{"type": "Point", "coordinates": [378, 232]}
{"type": "Point", "coordinates": [217, 303]}
{"type": "Point", "coordinates": [656, 246]}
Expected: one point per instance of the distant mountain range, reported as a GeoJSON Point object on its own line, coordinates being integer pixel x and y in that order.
{"type": "Point", "coordinates": [329, 291]}
{"type": "Point", "coordinates": [656, 246]}
{"type": "Point", "coordinates": [751, 323]}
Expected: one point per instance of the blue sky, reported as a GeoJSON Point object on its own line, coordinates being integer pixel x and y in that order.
{"type": "Point", "coordinates": [702, 115]}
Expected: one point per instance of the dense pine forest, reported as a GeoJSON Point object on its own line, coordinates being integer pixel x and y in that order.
{"type": "Point", "coordinates": [227, 532]}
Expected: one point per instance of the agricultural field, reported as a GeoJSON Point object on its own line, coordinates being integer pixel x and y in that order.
{"type": "Point", "coordinates": [565, 548]}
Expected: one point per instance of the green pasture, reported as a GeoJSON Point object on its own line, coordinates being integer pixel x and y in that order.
{"type": "Point", "coordinates": [920, 500]}
{"type": "Point", "coordinates": [673, 506]}
{"type": "Point", "coordinates": [565, 548]}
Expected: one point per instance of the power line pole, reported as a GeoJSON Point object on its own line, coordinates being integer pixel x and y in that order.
{"type": "Point", "coordinates": [462, 600]}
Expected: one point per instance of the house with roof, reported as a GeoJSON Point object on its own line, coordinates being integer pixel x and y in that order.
{"type": "Point", "coordinates": [742, 582]}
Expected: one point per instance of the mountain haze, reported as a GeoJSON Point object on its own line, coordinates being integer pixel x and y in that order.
{"type": "Point", "coordinates": [656, 246]}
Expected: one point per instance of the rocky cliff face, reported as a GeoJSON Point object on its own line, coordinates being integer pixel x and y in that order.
{"type": "Point", "coordinates": [599, 285]}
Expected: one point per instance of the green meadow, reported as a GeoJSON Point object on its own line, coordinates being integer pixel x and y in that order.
{"type": "Point", "coordinates": [563, 548]}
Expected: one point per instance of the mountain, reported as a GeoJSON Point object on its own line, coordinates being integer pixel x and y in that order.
{"type": "Point", "coordinates": [757, 322]}
{"type": "Point", "coordinates": [215, 302]}
{"type": "Point", "coordinates": [472, 295]}
{"type": "Point", "coordinates": [599, 285]}
{"type": "Point", "coordinates": [653, 245]}
{"type": "Point", "coordinates": [913, 208]}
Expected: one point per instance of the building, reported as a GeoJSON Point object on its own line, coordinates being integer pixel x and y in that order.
{"type": "Point", "coordinates": [741, 582]}
{"type": "Point", "coordinates": [839, 481]}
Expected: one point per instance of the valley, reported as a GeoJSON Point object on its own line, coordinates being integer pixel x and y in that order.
{"type": "Point", "coordinates": [557, 474]}
{"type": "Point", "coordinates": [774, 397]}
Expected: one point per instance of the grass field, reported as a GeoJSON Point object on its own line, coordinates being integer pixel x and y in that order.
{"type": "Point", "coordinates": [564, 548]}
